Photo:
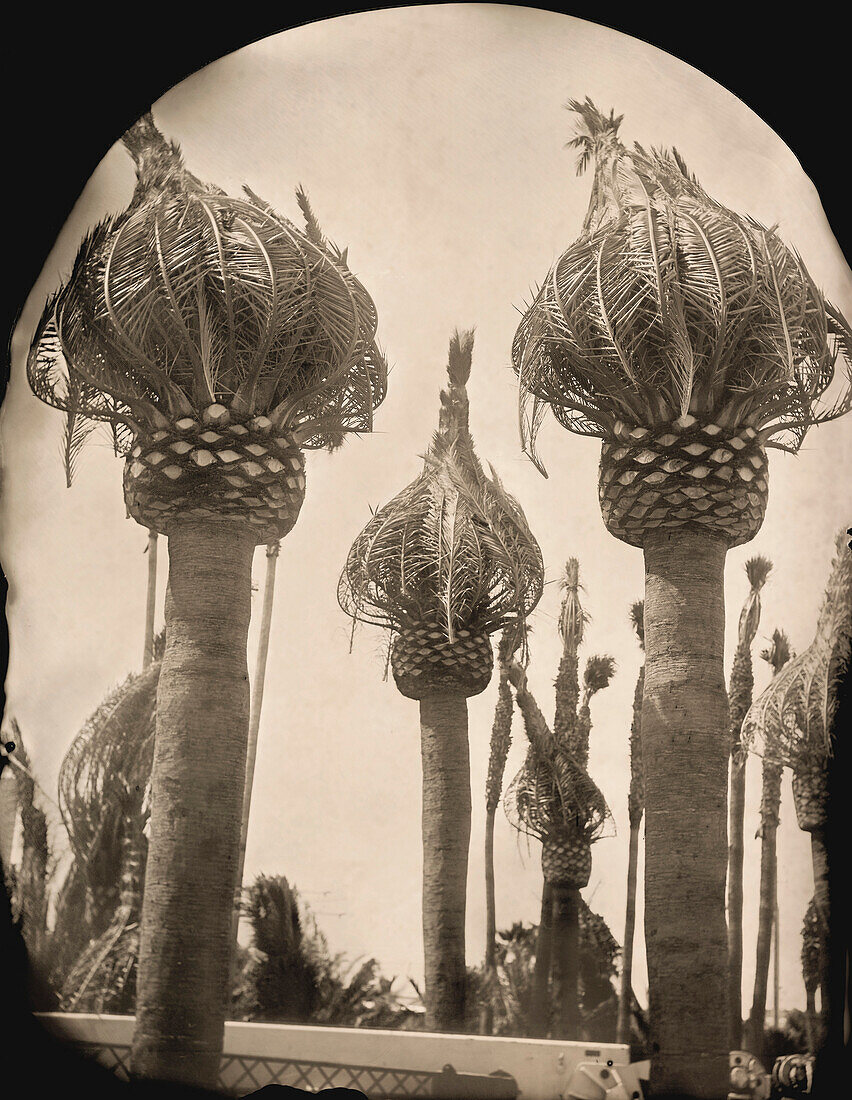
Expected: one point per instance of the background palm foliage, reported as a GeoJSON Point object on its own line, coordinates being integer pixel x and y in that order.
{"type": "Point", "coordinates": [190, 298]}
{"type": "Point", "coordinates": [453, 547]}
{"type": "Point", "coordinates": [792, 722]}
{"type": "Point", "coordinates": [668, 303]}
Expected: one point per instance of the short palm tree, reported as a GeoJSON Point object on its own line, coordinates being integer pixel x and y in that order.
{"type": "Point", "coordinates": [739, 700]}
{"type": "Point", "coordinates": [218, 341]}
{"type": "Point", "coordinates": [554, 800]}
{"type": "Point", "coordinates": [688, 339]}
{"type": "Point", "coordinates": [635, 810]}
{"type": "Point", "coordinates": [445, 564]}
{"type": "Point", "coordinates": [776, 655]}
{"type": "Point", "coordinates": [501, 741]}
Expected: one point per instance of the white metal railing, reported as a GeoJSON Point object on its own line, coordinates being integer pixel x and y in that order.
{"type": "Point", "coordinates": [379, 1063]}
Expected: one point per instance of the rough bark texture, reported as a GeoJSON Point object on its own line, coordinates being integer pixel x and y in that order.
{"type": "Point", "coordinates": [486, 1016]}
{"type": "Point", "coordinates": [566, 960]}
{"type": "Point", "coordinates": [625, 996]}
{"type": "Point", "coordinates": [769, 806]}
{"type": "Point", "coordinates": [446, 840]}
{"type": "Point", "coordinates": [685, 751]}
{"type": "Point", "coordinates": [197, 791]}
{"type": "Point", "coordinates": [819, 856]}
{"type": "Point", "coordinates": [540, 1011]}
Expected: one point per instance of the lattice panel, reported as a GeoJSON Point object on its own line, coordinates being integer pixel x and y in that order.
{"type": "Point", "coordinates": [239, 1075]}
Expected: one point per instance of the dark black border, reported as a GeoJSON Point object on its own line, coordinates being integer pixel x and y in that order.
{"type": "Point", "coordinates": [76, 78]}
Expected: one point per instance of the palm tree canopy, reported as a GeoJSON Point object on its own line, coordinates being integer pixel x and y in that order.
{"type": "Point", "coordinates": [572, 617]}
{"type": "Point", "coordinates": [599, 670]}
{"type": "Point", "coordinates": [637, 618]}
{"type": "Point", "coordinates": [453, 547]}
{"type": "Point", "coordinates": [670, 305]}
{"type": "Point", "coordinates": [778, 653]}
{"type": "Point", "coordinates": [192, 298]}
{"type": "Point", "coordinates": [793, 720]}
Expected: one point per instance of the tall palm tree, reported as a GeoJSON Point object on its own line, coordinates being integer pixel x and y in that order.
{"type": "Point", "coordinates": [218, 341]}
{"type": "Point", "coordinates": [813, 972]}
{"type": "Point", "coordinates": [150, 599]}
{"type": "Point", "coordinates": [688, 339]}
{"type": "Point", "coordinates": [635, 810]}
{"type": "Point", "coordinates": [445, 564]}
{"type": "Point", "coordinates": [501, 741]}
{"type": "Point", "coordinates": [739, 699]}
{"type": "Point", "coordinates": [554, 799]}
{"type": "Point", "coordinates": [777, 655]}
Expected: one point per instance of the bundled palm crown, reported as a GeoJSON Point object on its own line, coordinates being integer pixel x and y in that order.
{"type": "Point", "coordinates": [217, 339]}
{"type": "Point", "coordinates": [445, 564]}
{"type": "Point", "coordinates": [448, 562]}
{"type": "Point", "coordinates": [687, 337]}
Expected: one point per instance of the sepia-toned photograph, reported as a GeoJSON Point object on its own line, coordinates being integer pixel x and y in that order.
{"type": "Point", "coordinates": [426, 517]}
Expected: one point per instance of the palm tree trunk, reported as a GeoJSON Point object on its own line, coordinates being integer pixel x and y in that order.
{"type": "Point", "coordinates": [735, 902]}
{"type": "Point", "coordinates": [625, 997]}
{"type": "Point", "coordinates": [446, 840]}
{"type": "Point", "coordinates": [685, 751]}
{"type": "Point", "coordinates": [566, 959]}
{"type": "Point", "coordinates": [819, 857]}
{"type": "Point", "coordinates": [486, 1017]}
{"type": "Point", "coordinates": [150, 600]}
{"type": "Point", "coordinates": [272, 552]}
{"type": "Point", "coordinates": [197, 790]}
{"type": "Point", "coordinates": [770, 802]}
{"type": "Point", "coordinates": [540, 1010]}
{"type": "Point", "coordinates": [776, 959]}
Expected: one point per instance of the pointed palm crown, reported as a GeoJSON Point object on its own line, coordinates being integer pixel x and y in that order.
{"type": "Point", "coordinates": [453, 548]}
{"type": "Point", "coordinates": [792, 722]}
{"type": "Point", "coordinates": [191, 298]}
{"type": "Point", "coordinates": [670, 305]}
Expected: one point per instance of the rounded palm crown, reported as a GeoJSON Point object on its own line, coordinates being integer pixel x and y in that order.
{"type": "Point", "coordinates": [453, 548]}
{"type": "Point", "coordinates": [192, 299]}
{"type": "Point", "coordinates": [670, 306]}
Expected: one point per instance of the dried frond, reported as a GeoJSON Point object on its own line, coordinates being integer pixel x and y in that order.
{"type": "Point", "coordinates": [191, 297]}
{"type": "Point", "coordinates": [572, 617]}
{"type": "Point", "coordinates": [667, 304]}
{"type": "Point", "coordinates": [453, 548]}
{"type": "Point", "coordinates": [792, 723]}
{"type": "Point", "coordinates": [757, 570]}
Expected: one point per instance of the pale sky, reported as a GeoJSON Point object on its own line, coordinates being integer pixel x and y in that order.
{"type": "Point", "coordinates": [431, 142]}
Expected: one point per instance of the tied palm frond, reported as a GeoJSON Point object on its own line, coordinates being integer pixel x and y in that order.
{"type": "Point", "coordinates": [670, 304]}
{"type": "Point", "coordinates": [572, 617]}
{"type": "Point", "coordinates": [191, 297]}
{"type": "Point", "coordinates": [757, 570]}
{"type": "Point", "coordinates": [454, 547]}
{"type": "Point", "coordinates": [792, 722]}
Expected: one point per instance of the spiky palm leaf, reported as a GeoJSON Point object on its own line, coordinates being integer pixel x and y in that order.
{"type": "Point", "coordinates": [190, 298]}
{"type": "Point", "coordinates": [599, 670]}
{"type": "Point", "coordinates": [792, 722]}
{"type": "Point", "coordinates": [670, 304]}
{"type": "Point", "coordinates": [453, 548]}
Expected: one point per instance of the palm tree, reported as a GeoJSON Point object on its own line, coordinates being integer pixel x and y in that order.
{"type": "Point", "coordinates": [793, 722]}
{"type": "Point", "coordinates": [150, 599]}
{"type": "Point", "coordinates": [553, 799]}
{"type": "Point", "coordinates": [739, 699]}
{"type": "Point", "coordinates": [777, 655]}
{"type": "Point", "coordinates": [688, 339]}
{"type": "Point", "coordinates": [501, 740]}
{"type": "Point", "coordinates": [635, 810]}
{"type": "Point", "coordinates": [218, 341]}
{"type": "Point", "coordinates": [446, 563]}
